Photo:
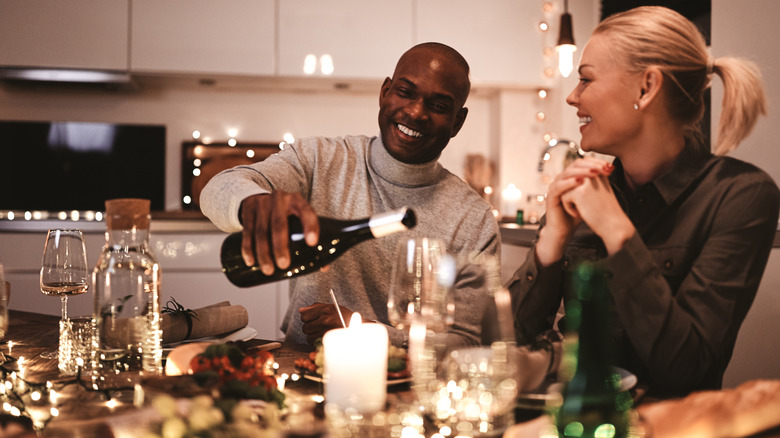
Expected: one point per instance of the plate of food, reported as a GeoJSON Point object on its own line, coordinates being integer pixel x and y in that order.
{"type": "Point", "coordinates": [398, 373]}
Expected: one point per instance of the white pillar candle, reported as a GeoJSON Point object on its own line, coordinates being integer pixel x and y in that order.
{"type": "Point", "coordinates": [355, 371]}
{"type": "Point", "coordinates": [510, 200]}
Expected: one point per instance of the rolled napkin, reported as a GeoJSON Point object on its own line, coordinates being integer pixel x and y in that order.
{"type": "Point", "coordinates": [748, 409]}
{"type": "Point", "coordinates": [212, 320]}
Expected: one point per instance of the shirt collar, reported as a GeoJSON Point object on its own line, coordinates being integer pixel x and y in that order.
{"type": "Point", "coordinates": [400, 173]}
{"type": "Point", "coordinates": [678, 177]}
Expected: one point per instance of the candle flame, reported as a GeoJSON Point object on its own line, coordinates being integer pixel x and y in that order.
{"type": "Point", "coordinates": [355, 320]}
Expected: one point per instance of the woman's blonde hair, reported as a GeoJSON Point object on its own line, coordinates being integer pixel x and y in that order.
{"type": "Point", "coordinates": [657, 36]}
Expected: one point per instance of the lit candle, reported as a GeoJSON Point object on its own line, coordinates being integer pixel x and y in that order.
{"type": "Point", "coordinates": [355, 371]}
{"type": "Point", "coordinates": [510, 198]}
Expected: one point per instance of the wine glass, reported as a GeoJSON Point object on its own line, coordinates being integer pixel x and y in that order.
{"type": "Point", "coordinates": [421, 284]}
{"type": "Point", "coordinates": [64, 269]}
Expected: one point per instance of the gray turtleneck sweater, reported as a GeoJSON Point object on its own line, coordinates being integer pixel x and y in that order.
{"type": "Point", "coordinates": [355, 177]}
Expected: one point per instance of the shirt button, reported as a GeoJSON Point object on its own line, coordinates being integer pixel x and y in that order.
{"type": "Point", "coordinates": [668, 264]}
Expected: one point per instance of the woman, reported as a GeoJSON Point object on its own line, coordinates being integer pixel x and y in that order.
{"type": "Point", "coordinates": [683, 235]}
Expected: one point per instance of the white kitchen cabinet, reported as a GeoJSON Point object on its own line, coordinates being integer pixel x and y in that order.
{"type": "Point", "coordinates": [203, 36]}
{"type": "Point", "coordinates": [84, 34]}
{"type": "Point", "coordinates": [500, 39]}
{"type": "Point", "coordinates": [364, 38]}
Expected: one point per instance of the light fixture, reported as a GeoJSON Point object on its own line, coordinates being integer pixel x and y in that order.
{"type": "Point", "coordinates": [65, 75]}
{"type": "Point", "coordinates": [566, 45]}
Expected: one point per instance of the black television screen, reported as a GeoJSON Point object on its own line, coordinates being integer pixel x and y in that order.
{"type": "Point", "coordinates": [56, 166]}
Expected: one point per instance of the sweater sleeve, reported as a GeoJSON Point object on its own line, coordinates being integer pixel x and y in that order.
{"type": "Point", "coordinates": [221, 198]}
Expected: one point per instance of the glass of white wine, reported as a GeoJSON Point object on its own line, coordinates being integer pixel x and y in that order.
{"type": "Point", "coordinates": [64, 269]}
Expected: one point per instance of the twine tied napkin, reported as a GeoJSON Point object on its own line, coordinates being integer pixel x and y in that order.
{"type": "Point", "coordinates": [213, 320]}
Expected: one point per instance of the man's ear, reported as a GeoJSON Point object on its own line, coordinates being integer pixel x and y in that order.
{"type": "Point", "coordinates": [651, 81]}
{"type": "Point", "coordinates": [385, 88]}
{"type": "Point", "coordinates": [459, 119]}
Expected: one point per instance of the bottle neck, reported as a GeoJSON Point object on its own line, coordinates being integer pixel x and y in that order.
{"type": "Point", "coordinates": [392, 222]}
{"type": "Point", "coordinates": [128, 238]}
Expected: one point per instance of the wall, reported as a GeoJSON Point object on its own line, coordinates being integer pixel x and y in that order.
{"type": "Point", "coordinates": [257, 112]}
{"type": "Point", "coordinates": [738, 30]}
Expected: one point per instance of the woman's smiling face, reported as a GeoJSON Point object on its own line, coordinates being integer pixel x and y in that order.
{"type": "Point", "coordinates": [605, 98]}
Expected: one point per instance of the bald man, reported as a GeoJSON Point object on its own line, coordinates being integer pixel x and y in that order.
{"type": "Point", "coordinates": [421, 107]}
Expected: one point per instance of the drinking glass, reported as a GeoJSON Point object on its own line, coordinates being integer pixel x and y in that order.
{"type": "Point", "coordinates": [421, 283]}
{"type": "Point", "coordinates": [469, 388]}
{"type": "Point", "coordinates": [64, 268]}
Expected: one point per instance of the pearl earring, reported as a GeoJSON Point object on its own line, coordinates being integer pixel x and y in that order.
{"type": "Point", "coordinates": [636, 106]}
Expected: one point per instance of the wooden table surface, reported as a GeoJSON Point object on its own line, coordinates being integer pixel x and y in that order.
{"type": "Point", "coordinates": [86, 413]}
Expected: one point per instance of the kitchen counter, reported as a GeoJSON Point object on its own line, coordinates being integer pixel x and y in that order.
{"type": "Point", "coordinates": [180, 221]}
{"type": "Point", "coordinates": [162, 222]}
{"type": "Point", "coordinates": [524, 235]}
{"type": "Point", "coordinates": [520, 235]}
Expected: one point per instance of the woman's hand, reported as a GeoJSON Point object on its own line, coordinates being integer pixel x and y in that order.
{"type": "Point", "coordinates": [562, 217]}
{"type": "Point", "coordinates": [594, 202]}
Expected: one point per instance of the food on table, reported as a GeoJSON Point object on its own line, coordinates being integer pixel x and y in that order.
{"type": "Point", "coordinates": [397, 362]}
{"type": "Point", "coordinates": [746, 410]}
{"type": "Point", "coordinates": [239, 374]}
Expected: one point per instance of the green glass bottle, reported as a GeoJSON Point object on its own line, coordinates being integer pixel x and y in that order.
{"type": "Point", "coordinates": [336, 237]}
{"type": "Point", "coordinates": [593, 404]}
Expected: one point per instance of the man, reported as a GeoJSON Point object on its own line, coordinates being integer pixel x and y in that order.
{"type": "Point", "coordinates": [420, 108]}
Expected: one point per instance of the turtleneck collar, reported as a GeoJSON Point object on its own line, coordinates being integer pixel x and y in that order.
{"type": "Point", "coordinates": [399, 173]}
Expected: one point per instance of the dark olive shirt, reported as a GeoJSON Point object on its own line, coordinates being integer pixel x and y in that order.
{"type": "Point", "coordinates": [682, 285]}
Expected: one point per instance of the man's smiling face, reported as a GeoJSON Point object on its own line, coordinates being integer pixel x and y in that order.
{"type": "Point", "coordinates": [421, 107]}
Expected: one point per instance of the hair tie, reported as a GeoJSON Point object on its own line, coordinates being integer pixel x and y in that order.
{"type": "Point", "coordinates": [710, 66]}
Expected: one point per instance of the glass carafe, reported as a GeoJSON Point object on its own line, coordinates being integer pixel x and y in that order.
{"type": "Point", "coordinates": [126, 310]}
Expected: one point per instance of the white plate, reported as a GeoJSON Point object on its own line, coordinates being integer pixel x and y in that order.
{"type": "Point", "coordinates": [243, 334]}
{"type": "Point", "coordinates": [390, 382]}
{"type": "Point", "coordinates": [538, 399]}
{"type": "Point", "coordinates": [627, 379]}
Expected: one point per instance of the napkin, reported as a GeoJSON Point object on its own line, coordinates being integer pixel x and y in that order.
{"type": "Point", "coordinates": [752, 407]}
{"type": "Point", "coordinates": [212, 320]}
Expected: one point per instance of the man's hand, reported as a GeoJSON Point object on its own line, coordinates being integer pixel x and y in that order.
{"type": "Point", "coordinates": [265, 236]}
{"type": "Point", "coordinates": [320, 317]}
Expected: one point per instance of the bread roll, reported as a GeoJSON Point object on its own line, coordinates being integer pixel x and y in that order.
{"type": "Point", "coordinates": [748, 409]}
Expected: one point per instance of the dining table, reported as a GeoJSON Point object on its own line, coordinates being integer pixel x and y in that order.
{"type": "Point", "coordinates": [131, 412]}
{"type": "Point", "coordinates": [83, 412]}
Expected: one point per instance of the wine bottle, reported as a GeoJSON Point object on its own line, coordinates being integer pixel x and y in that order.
{"type": "Point", "coordinates": [336, 237]}
{"type": "Point", "coordinates": [593, 404]}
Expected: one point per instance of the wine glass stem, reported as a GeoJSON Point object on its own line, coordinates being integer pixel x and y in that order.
{"type": "Point", "coordinates": [64, 307]}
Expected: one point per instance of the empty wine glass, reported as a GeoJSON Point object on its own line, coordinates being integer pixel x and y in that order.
{"type": "Point", "coordinates": [64, 268]}
{"type": "Point", "coordinates": [421, 283]}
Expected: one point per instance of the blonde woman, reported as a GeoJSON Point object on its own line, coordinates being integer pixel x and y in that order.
{"type": "Point", "coordinates": [683, 234]}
